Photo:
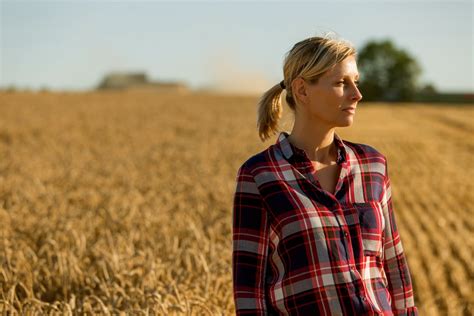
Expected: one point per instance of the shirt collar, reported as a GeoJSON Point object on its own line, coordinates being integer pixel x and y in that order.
{"type": "Point", "coordinates": [290, 151]}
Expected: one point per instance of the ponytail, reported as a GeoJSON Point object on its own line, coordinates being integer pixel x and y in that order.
{"type": "Point", "coordinates": [270, 109]}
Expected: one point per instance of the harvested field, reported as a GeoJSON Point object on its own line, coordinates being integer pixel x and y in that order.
{"type": "Point", "coordinates": [120, 203]}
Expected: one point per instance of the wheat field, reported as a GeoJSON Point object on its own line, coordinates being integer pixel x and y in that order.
{"type": "Point", "coordinates": [120, 203]}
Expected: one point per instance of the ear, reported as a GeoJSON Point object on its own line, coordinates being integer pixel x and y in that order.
{"type": "Point", "coordinates": [298, 88]}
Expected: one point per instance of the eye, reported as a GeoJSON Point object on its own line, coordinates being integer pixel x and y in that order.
{"type": "Point", "coordinates": [355, 82]}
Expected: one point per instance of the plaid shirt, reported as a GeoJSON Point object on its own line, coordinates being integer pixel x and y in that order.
{"type": "Point", "coordinates": [300, 250]}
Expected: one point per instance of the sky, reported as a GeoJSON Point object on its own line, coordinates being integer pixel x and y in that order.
{"type": "Point", "coordinates": [233, 46]}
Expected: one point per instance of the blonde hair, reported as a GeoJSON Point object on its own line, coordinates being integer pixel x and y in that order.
{"type": "Point", "coordinates": [308, 59]}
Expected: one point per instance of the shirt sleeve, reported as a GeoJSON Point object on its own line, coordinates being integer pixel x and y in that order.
{"type": "Point", "coordinates": [394, 261]}
{"type": "Point", "coordinates": [250, 243]}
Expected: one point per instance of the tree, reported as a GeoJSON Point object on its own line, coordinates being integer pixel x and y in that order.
{"type": "Point", "coordinates": [428, 88]}
{"type": "Point", "coordinates": [387, 72]}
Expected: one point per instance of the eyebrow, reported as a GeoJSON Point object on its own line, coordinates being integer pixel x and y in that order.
{"type": "Point", "coordinates": [345, 76]}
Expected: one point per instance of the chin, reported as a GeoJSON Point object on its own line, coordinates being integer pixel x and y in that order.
{"type": "Point", "coordinates": [346, 123]}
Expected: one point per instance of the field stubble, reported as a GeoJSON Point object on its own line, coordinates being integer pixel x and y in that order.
{"type": "Point", "coordinates": [120, 203]}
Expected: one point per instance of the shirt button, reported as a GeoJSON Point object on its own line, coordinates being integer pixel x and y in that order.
{"type": "Point", "coordinates": [346, 234]}
{"type": "Point", "coordinates": [363, 298]}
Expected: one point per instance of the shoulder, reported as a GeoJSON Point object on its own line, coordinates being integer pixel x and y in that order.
{"type": "Point", "coordinates": [256, 161]}
{"type": "Point", "coordinates": [367, 156]}
{"type": "Point", "coordinates": [364, 150]}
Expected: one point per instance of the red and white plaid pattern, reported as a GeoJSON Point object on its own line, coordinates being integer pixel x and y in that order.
{"type": "Point", "coordinates": [300, 250]}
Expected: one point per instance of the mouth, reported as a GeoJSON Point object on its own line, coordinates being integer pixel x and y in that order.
{"type": "Point", "coordinates": [350, 110]}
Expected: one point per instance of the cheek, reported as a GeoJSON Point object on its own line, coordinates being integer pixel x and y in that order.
{"type": "Point", "coordinates": [326, 103]}
{"type": "Point", "coordinates": [337, 93]}
{"type": "Point", "coordinates": [330, 101]}
{"type": "Point", "coordinates": [327, 109]}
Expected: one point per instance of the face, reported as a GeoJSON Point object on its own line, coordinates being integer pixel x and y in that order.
{"type": "Point", "coordinates": [327, 100]}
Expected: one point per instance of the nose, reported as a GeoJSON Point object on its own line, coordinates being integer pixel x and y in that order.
{"type": "Point", "coordinates": [357, 95]}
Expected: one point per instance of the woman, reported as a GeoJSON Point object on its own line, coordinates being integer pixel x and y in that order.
{"type": "Point", "coordinates": [314, 232]}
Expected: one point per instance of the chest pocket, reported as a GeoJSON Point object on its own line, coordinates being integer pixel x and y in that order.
{"type": "Point", "coordinates": [372, 225]}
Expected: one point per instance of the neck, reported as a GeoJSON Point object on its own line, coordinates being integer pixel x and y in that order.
{"type": "Point", "coordinates": [317, 140]}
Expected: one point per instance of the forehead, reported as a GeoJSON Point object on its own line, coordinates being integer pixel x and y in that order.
{"type": "Point", "coordinates": [346, 68]}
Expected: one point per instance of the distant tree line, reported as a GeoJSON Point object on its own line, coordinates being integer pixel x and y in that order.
{"type": "Point", "coordinates": [389, 74]}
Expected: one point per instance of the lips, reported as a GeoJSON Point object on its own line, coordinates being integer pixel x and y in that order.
{"type": "Point", "coordinates": [350, 110]}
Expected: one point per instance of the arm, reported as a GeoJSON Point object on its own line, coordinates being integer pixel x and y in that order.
{"type": "Point", "coordinates": [250, 242]}
{"type": "Point", "coordinates": [394, 261]}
